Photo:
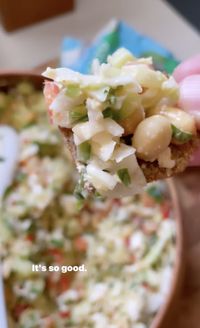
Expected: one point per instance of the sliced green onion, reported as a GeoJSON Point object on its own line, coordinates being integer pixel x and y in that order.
{"type": "Point", "coordinates": [179, 135]}
{"type": "Point", "coordinates": [57, 243]}
{"type": "Point", "coordinates": [84, 152]}
{"type": "Point", "coordinates": [109, 112]}
{"type": "Point", "coordinates": [80, 119]}
{"type": "Point", "coordinates": [124, 176]}
{"type": "Point", "coordinates": [20, 177]}
{"type": "Point", "coordinates": [80, 192]}
{"type": "Point", "coordinates": [72, 90]}
{"type": "Point", "coordinates": [79, 114]}
{"type": "Point", "coordinates": [8, 191]}
{"type": "Point", "coordinates": [106, 91]}
{"type": "Point", "coordinates": [47, 149]}
{"type": "Point", "coordinates": [112, 100]}
{"type": "Point", "coordinates": [155, 193]}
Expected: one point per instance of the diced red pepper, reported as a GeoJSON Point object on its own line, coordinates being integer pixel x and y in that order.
{"type": "Point", "coordinates": [117, 201]}
{"type": "Point", "coordinates": [132, 258]}
{"type": "Point", "coordinates": [64, 283]}
{"type": "Point", "coordinates": [57, 254]}
{"type": "Point", "coordinates": [80, 244]}
{"type": "Point", "coordinates": [50, 92]}
{"type": "Point", "coordinates": [19, 308]}
{"type": "Point", "coordinates": [30, 237]}
{"type": "Point", "coordinates": [127, 241]}
{"type": "Point", "coordinates": [147, 200]}
{"type": "Point", "coordinates": [60, 285]}
{"type": "Point", "coordinates": [165, 210]}
{"type": "Point", "coordinates": [49, 323]}
{"type": "Point", "coordinates": [145, 285]}
{"type": "Point", "coordinates": [65, 314]}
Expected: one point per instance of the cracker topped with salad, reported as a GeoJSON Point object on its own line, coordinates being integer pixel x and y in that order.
{"type": "Point", "coordinates": [121, 123]}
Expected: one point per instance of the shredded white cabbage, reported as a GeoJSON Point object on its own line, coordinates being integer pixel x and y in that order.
{"type": "Point", "coordinates": [100, 179]}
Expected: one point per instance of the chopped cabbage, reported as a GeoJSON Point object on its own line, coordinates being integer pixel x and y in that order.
{"type": "Point", "coordinates": [100, 179]}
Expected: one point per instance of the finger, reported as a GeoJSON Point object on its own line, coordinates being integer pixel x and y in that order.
{"type": "Point", "coordinates": [190, 96]}
{"type": "Point", "coordinates": [190, 66]}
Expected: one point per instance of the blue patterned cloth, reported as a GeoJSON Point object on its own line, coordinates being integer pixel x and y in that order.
{"type": "Point", "coordinates": [75, 55]}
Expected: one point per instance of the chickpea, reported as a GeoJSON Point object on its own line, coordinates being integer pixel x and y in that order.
{"type": "Point", "coordinates": [180, 119]}
{"type": "Point", "coordinates": [152, 136]}
{"type": "Point", "coordinates": [130, 122]}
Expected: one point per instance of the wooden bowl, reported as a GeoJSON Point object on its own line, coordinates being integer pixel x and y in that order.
{"type": "Point", "coordinates": [165, 315]}
{"type": "Point", "coordinates": [11, 78]}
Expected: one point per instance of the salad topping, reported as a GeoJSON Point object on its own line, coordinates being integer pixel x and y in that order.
{"type": "Point", "coordinates": [124, 98]}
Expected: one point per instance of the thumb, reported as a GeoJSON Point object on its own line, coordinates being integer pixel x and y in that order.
{"type": "Point", "coordinates": [189, 67]}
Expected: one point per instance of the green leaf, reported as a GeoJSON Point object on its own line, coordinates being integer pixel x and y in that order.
{"type": "Point", "coordinates": [124, 176]}
{"type": "Point", "coordinates": [179, 135]}
{"type": "Point", "coordinates": [84, 152]}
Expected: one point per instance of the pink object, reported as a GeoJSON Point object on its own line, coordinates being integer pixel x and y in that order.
{"type": "Point", "coordinates": [189, 67]}
{"type": "Point", "coordinates": [190, 96]}
{"type": "Point", "coordinates": [188, 75]}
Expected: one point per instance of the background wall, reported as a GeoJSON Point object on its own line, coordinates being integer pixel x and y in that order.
{"type": "Point", "coordinates": [189, 9]}
{"type": "Point", "coordinates": [36, 44]}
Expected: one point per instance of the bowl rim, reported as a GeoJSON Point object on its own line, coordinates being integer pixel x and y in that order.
{"type": "Point", "coordinates": [11, 75]}
{"type": "Point", "coordinates": [19, 73]}
{"type": "Point", "coordinates": [165, 312]}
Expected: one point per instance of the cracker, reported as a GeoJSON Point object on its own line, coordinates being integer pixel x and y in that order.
{"type": "Point", "coordinates": [180, 153]}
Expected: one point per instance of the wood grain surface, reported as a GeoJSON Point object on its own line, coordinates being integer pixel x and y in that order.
{"type": "Point", "coordinates": [188, 308]}
{"type": "Point", "coordinates": [16, 14]}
